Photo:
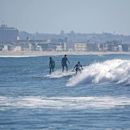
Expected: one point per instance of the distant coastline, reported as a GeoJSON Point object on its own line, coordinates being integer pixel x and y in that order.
{"type": "Point", "coordinates": [52, 53]}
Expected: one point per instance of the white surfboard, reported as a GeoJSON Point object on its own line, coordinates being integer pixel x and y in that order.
{"type": "Point", "coordinates": [60, 74]}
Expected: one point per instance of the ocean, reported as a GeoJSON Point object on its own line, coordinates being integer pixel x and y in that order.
{"type": "Point", "coordinates": [96, 99]}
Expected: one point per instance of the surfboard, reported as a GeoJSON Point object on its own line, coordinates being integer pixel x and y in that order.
{"type": "Point", "coordinates": [60, 74]}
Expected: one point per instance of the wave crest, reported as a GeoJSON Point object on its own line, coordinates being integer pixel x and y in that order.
{"type": "Point", "coordinates": [116, 70]}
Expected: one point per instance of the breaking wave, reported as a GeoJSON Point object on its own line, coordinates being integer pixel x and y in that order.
{"type": "Point", "coordinates": [115, 70]}
{"type": "Point", "coordinates": [34, 102]}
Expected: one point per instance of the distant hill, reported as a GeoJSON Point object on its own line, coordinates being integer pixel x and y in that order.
{"type": "Point", "coordinates": [77, 37]}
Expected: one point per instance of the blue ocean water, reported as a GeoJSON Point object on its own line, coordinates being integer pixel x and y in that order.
{"type": "Point", "coordinates": [96, 99]}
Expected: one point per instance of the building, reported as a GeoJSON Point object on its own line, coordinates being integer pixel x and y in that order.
{"type": "Point", "coordinates": [8, 34]}
{"type": "Point", "coordinates": [92, 47]}
{"type": "Point", "coordinates": [80, 47]}
{"type": "Point", "coordinates": [125, 47]}
{"type": "Point", "coordinates": [17, 48]}
{"type": "Point", "coordinates": [59, 48]}
{"type": "Point", "coordinates": [120, 48]}
{"type": "Point", "coordinates": [5, 48]}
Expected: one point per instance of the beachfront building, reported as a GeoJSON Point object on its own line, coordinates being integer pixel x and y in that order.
{"type": "Point", "coordinates": [5, 48]}
{"type": "Point", "coordinates": [8, 34]}
{"type": "Point", "coordinates": [102, 47]}
{"type": "Point", "coordinates": [125, 47]}
{"type": "Point", "coordinates": [64, 46]}
{"type": "Point", "coordinates": [17, 48]}
{"type": "Point", "coordinates": [92, 47]}
{"type": "Point", "coordinates": [59, 48]}
{"type": "Point", "coordinates": [120, 48]}
{"type": "Point", "coordinates": [80, 46]}
{"type": "Point", "coordinates": [129, 47]}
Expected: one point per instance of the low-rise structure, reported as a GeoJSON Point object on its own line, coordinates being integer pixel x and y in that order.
{"type": "Point", "coordinates": [5, 48]}
{"type": "Point", "coordinates": [17, 48]}
{"type": "Point", "coordinates": [80, 46]}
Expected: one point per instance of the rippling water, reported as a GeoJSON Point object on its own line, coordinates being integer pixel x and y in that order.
{"type": "Point", "coordinates": [96, 99]}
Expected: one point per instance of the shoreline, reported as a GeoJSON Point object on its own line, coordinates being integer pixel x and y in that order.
{"type": "Point", "coordinates": [53, 53]}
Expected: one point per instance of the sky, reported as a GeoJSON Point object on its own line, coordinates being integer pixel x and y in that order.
{"type": "Point", "coordinates": [81, 16]}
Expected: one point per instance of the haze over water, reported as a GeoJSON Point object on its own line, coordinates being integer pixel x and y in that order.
{"type": "Point", "coordinates": [82, 16]}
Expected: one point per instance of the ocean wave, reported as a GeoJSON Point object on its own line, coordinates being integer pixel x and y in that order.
{"type": "Point", "coordinates": [116, 70]}
{"type": "Point", "coordinates": [107, 102]}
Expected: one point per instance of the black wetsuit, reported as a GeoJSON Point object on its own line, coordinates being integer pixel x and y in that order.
{"type": "Point", "coordinates": [64, 63]}
{"type": "Point", "coordinates": [51, 65]}
{"type": "Point", "coordinates": [78, 68]}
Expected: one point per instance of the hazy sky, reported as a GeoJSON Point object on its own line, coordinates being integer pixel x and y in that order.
{"type": "Point", "coordinates": [52, 16]}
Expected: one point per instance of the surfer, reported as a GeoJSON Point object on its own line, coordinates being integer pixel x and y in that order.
{"type": "Point", "coordinates": [64, 63]}
{"type": "Point", "coordinates": [78, 67]}
{"type": "Point", "coordinates": [51, 65]}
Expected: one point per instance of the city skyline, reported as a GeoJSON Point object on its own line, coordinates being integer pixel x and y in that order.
{"type": "Point", "coordinates": [83, 16]}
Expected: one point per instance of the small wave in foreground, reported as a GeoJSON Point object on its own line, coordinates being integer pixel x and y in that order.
{"type": "Point", "coordinates": [107, 102]}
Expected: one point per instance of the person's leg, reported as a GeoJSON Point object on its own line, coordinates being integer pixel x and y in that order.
{"type": "Point", "coordinates": [50, 70]}
{"type": "Point", "coordinates": [76, 70]}
{"type": "Point", "coordinates": [62, 68]}
{"type": "Point", "coordinates": [53, 68]}
{"type": "Point", "coordinates": [80, 70]}
{"type": "Point", "coordinates": [66, 67]}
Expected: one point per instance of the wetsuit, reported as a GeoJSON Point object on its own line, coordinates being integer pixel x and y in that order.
{"type": "Point", "coordinates": [78, 68]}
{"type": "Point", "coordinates": [51, 65]}
{"type": "Point", "coordinates": [64, 63]}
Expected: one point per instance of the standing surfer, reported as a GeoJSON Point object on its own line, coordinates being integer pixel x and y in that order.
{"type": "Point", "coordinates": [64, 63]}
{"type": "Point", "coordinates": [51, 65]}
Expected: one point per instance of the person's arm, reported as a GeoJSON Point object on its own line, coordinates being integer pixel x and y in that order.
{"type": "Point", "coordinates": [74, 68]}
{"type": "Point", "coordinates": [68, 61]}
{"type": "Point", "coordinates": [81, 67]}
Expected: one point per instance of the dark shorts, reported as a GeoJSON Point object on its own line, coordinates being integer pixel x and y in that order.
{"type": "Point", "coordinates": [52, 67]}
{"type": "Point", "coordinates": [78, 69]}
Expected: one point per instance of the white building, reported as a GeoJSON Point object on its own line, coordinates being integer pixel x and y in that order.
{"type": "Point", "coordinates": [65, 46]}
{"type": "Point", "coordinates": [80, 46]}
{"type": "Point", "coordinates": [59, 48]}
{"type": "Point", "coordinates": [5, 48]}
{"type": "Point", "coordinates": [120, 47]}
{"type": "Point", "coordinates": [38, 48]}
{"type": "Point", "coordinates": [17, 48]}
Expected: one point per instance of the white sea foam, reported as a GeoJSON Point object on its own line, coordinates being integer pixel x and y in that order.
{"type": "Point", "coordinates": [60, 74]}
{"type": "Point", "coordinates": [116, 70]}
{"type": "Point", "coordinates": [64, 102]}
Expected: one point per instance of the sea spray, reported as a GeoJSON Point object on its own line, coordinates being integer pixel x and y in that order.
{"type": "Point", "coordinates": [116, 70]}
